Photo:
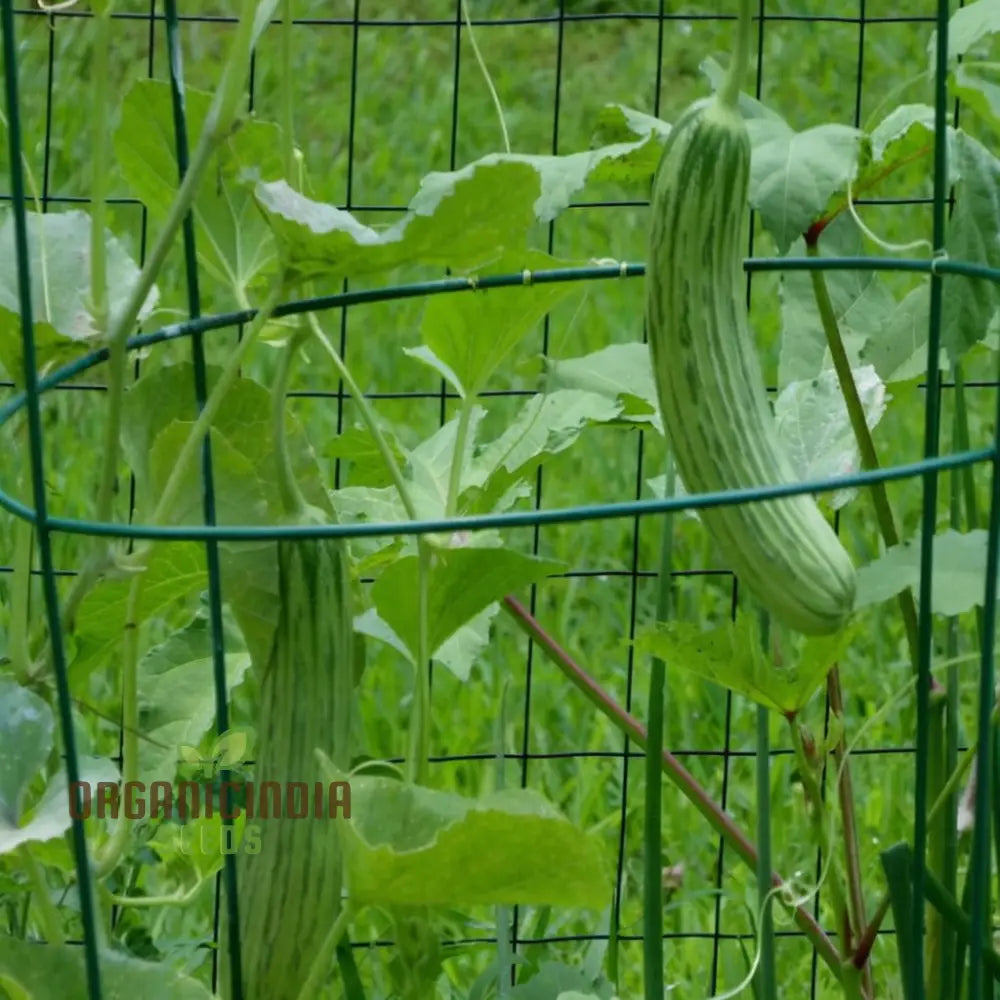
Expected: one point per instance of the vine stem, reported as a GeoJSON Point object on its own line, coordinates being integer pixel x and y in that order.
{"type": "Point", "coordinates": [937, 700]}
{"type": "Point", "coordinates": [367, 418]}
{"type": "Point", "coordinates": [98, 253]}
{"type": "Point", "coordinates": [20, 599]}
{"type": "Point", "coordinates": [458, 458]}
{"type": "Point", "coordinates": [291, 496]}
{"type": "Point", "coordinates": [814, 799]}
{"type": "Point", "coordinates": [862, 434]}
{"type": "Point", "coordinates": [682, 779]}
{"type": "Point", "coordinates": [51, 921]}
{"type": "Point", "coordinates": [729, 92]}
{"type": "Point", "coordinates": [115, 846]}
{"type": "Point", "coordinates": [845, 794]}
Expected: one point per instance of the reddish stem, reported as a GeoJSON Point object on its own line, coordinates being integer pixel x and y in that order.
{"type": "Point", "coordinates": [678, 774]}
{"type": "Point", "coordinates": [813, 233]}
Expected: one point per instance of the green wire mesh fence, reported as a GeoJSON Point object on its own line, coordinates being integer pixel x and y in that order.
{"type": "Point", "coordinates": [25, 400]}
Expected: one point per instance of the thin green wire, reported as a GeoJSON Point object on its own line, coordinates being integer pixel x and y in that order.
{"type": "Point", "coordinates": [514, 519]}
{"type": "Point", "coordinates": [441, 286]}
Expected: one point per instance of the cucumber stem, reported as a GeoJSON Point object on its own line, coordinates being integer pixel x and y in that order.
{"type": "Point", "coordinates": [20, 600]}
{"type": "Point", "coordinates": [729, 92]}
{"type": "Point", "coordinates": [852, 850]}
{"type": "Point", "coordinates": [292, 501]}
{"type": "Point", "coordinates": [862, 435]}
{"type": "Point", "coordinates": [48, 913]}
{"type": "Point", "coordinates": [458, 458]}
{"type": "Point", "coordinates": [816, 804]}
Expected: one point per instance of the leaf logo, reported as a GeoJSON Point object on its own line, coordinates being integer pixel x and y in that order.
{"type": "Point", "coordinates": [228, 750]}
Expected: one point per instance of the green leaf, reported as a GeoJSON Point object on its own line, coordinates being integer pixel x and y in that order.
{"type": "Point", "coordinates": [861, 301]}
{"type": "Point", "coordinates": [50, 818]}
{"type": "Point", "coordinates": [641, 138]}
{"type": "Point", "coordinates": [620, 372]}
{"type": "Point", "coordinates": [546, 425]}
{"type": "Point", "coordinates": [234, 244]}
{"type": "Point", "coordinates": [731, 655]}
{"type": "Point", "coordinates": [26, 730]}
{"type": "Point", "coordinates": [177, 694]}
{"type": "Point", "coordinates": [250, 589]}
{"type": "Point", "coordinates": [452, 219]}
{"type": "Point", "coordinates": [969, 303]}
{"type": "Point", "coordinates": [174, 571]}
{"type": "Point", "coordinates": [618, 123]}
{"type": "Point", "coordinates": [977, 84]}
{"type": "Point", "coordinates": [793, 174]}
{"type": "Point", "coordinates": [371, 624]}
{"type": "Point", "coordinates": [199, 842]}
{"type": "Point", "coordinates": [159, 413]}
{"type": "Point", "coordinates": [959, 572]}
{"type": "Point", "coordinates": [899, 349]}
{"type": "Point", "coordinates": [357, 448]}
{"type": "Point", "coordinates": [230, 748]}
{"type": "Point", "coordinates": [461, 583]}
{"type": "Point", "coordinates": [56, 972]}
{"type": "Point", "coordinates": [158, 417]}
{"type": "Point", "coordinates": [59, 258]}
{"type": "Point", "coordinates": [457, 653]}
{"type": "Point", "coordinates": [815, 429]}
{"type": "Point", "coordinates": [241, 487]}
{"type": "Point", "coordinates": [406, 845]}
{"type": "Point", "coordinates": [563, 982]}
{"type": "Point", "coordinates": [473, 334]}
{"type": "Point", "coordinates": [429, 465]}
{"type": "Point", "coordinates": [904, 133]}
{"type": "Point", "coordinates": [967, 26]}
{"type": "Point", "coordinates": [425, 355]}
{"type": "Point", "coordinates": [449, 223]}
{"type": "Point", "coordinates": [463, 647]}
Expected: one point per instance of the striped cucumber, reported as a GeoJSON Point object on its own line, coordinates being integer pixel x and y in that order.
{"type": "Point", "coordinates": [709, 381]}
{"type": "Point", "coordinates": [289, 891]}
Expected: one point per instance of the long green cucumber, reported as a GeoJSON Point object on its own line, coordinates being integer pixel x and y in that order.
{"type": "Point", "coordinates": [290, 892]}
{"type": "Point", "coordinates": [709, 382]}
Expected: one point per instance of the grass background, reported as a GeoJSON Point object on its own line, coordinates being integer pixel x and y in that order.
{"type": "Point", "coordinates": [381, 98]}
